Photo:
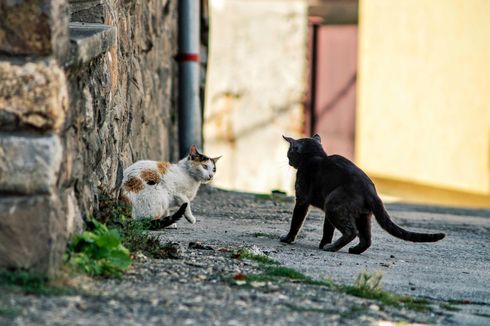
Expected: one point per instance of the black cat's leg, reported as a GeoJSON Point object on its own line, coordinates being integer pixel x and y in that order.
{"type": "Point", "coordinates": [328, 230]}
{"type": "Point", "coordinates": [342, 207]}
{"type": "Point", "coordinates": [341, 217]}
{"type": "Point", "coordinates": [299, 215]}
{"type": "Point", "coordinates": [364, 227]}
{"type": "Point", "coordinates": [348, 234]}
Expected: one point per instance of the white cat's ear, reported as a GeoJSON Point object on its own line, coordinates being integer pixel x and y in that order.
{"type": "Point", "coordinates": [193, 150]}
{"type": "Point", "coordinates": [317, 138]}
{"type": "Point", "coordinates": [288, 139]}
{"type": "Point", "coordinates": [215, 159]}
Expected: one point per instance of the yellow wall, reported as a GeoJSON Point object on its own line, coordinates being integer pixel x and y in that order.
{"type": "Point", "coordinates": [424, 92]}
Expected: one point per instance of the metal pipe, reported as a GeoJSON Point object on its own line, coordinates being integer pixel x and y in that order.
{"type": "Point", "coordinates": [313, 76]}
{"type": "Point", "coordinates": [190, 120]}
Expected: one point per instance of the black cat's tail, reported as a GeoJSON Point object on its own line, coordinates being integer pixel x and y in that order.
{"type": "Point", "coordinates": [168, 220]}
{"type": "Point", "coordinates": [389, 226]}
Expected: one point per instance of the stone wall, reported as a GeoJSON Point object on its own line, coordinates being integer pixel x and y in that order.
{"type": "Point", "coordinates": [77, 105]}
{"type": "Point", "coordinates": [124, 99]}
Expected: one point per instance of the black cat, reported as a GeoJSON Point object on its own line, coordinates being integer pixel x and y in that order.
{"type": "Point", "coordinates": [346, 195]}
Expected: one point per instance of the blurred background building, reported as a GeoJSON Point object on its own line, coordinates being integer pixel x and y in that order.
{"type": "Point", "coordinates": [400, 87]}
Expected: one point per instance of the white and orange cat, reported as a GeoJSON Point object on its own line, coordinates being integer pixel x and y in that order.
{"type": "Point", "coordinates": [152, 188]}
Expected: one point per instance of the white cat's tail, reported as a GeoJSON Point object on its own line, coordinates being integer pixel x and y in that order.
{"type": "Point", "coordinates": [163, 222]}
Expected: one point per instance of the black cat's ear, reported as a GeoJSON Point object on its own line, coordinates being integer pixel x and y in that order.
{"type": "Point", "coordinates": [317, 138]}
{"type": "Point", "coordinates": [288, 139]}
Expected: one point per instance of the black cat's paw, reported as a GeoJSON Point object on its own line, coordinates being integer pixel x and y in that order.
{"type": "Point", "coordinates": [286, 239]}
{"type": "Point", "coordinates": [323, 243]}
{"type": "Point", "coordinates": [330, 248]}
{"type": "Point", "coordinates": [354, 250]}
{"type": "Point", "coordinates": [357, 250]}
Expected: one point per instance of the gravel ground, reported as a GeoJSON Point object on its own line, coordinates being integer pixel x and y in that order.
{"type": "Point", "coordinates": [194, 289]}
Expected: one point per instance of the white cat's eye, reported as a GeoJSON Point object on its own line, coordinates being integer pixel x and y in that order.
{"type": "Point", "coordinates": [205, 166]}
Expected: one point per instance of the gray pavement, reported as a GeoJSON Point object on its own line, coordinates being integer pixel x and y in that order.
{"type": "Point", "coordinates": [456, 268]}
{"type": "Point", "coordinates": [192, 290]}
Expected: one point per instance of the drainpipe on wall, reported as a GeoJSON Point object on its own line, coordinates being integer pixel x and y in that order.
{"type": "Point", "coordinates": [190, 120]}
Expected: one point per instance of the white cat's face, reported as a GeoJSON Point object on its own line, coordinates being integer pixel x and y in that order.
{"type": "Point", "coordinates": [208, 170]}
{"type": "Point", "coordinates": [203, 167]}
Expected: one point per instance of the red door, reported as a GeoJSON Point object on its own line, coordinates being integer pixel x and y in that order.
{"type": "Point", "coordinates": [333, 70]}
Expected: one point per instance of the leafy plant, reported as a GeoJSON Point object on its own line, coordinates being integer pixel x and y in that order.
{"type": "Point", "coordinates": [98, 251]}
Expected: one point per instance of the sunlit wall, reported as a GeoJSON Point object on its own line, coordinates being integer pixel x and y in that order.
{"type": "Point", "coordinates": [255, 89]}
{"type": "Point", "coordinates": [424, 93]}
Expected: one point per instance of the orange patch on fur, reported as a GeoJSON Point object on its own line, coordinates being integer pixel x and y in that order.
{"type": "Point", "coordinates": [163, 167]}
{"type": "Point", "coordinates": [150, 175]}
{"type": "Point", "coordinates": [133, 184]}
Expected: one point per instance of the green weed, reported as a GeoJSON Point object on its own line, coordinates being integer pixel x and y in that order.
{"type": "Point", "coordinates": [369, 286]}
{"type": "Point", "coordinates": [245, 253]}
{"type": "Point", "coordinates": [98, 251]}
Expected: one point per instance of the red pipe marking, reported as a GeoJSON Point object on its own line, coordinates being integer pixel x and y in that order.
{"type": "Point", "coordinates": [187, 57]}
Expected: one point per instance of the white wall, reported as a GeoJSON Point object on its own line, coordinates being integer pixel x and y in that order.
{"type": "Point", "coordinates": [255, 90]}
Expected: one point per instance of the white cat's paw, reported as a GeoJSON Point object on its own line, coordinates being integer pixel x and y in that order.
{"type": "Point", "coordinates": [172, 226]}
{"type": "Point", "coordinates": [191, 219]}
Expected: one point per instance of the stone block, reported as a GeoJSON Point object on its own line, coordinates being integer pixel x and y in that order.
{"type": "Point", "coordinates": [29, 165]}
{"type": "Point", "coordinates": [32, 233]}
{"type": "Point", "coordinates": [32, 95]}
{"type": "Point", "coordinates": [89, 41]}
{"type": "Point", "coordinates": [34, 27]}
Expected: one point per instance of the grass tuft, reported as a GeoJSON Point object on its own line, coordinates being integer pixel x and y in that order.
{"type": "Point", "coordinates": [136, 238]}
{"type": "Point", "coordinates": [265, 235]}
{"type": "Point", "coordinates": [271, 271]}
{"type": "Point", "coordinates": [292, 274]}
{"type": "Point", "coordinates": [245, 253]}
{"type": "Point", "coordinates": [30, 283]}
{"type": "Point", "coordinates": [368, 286]}
{"type": "Point", "coordinates": [449, 307]}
